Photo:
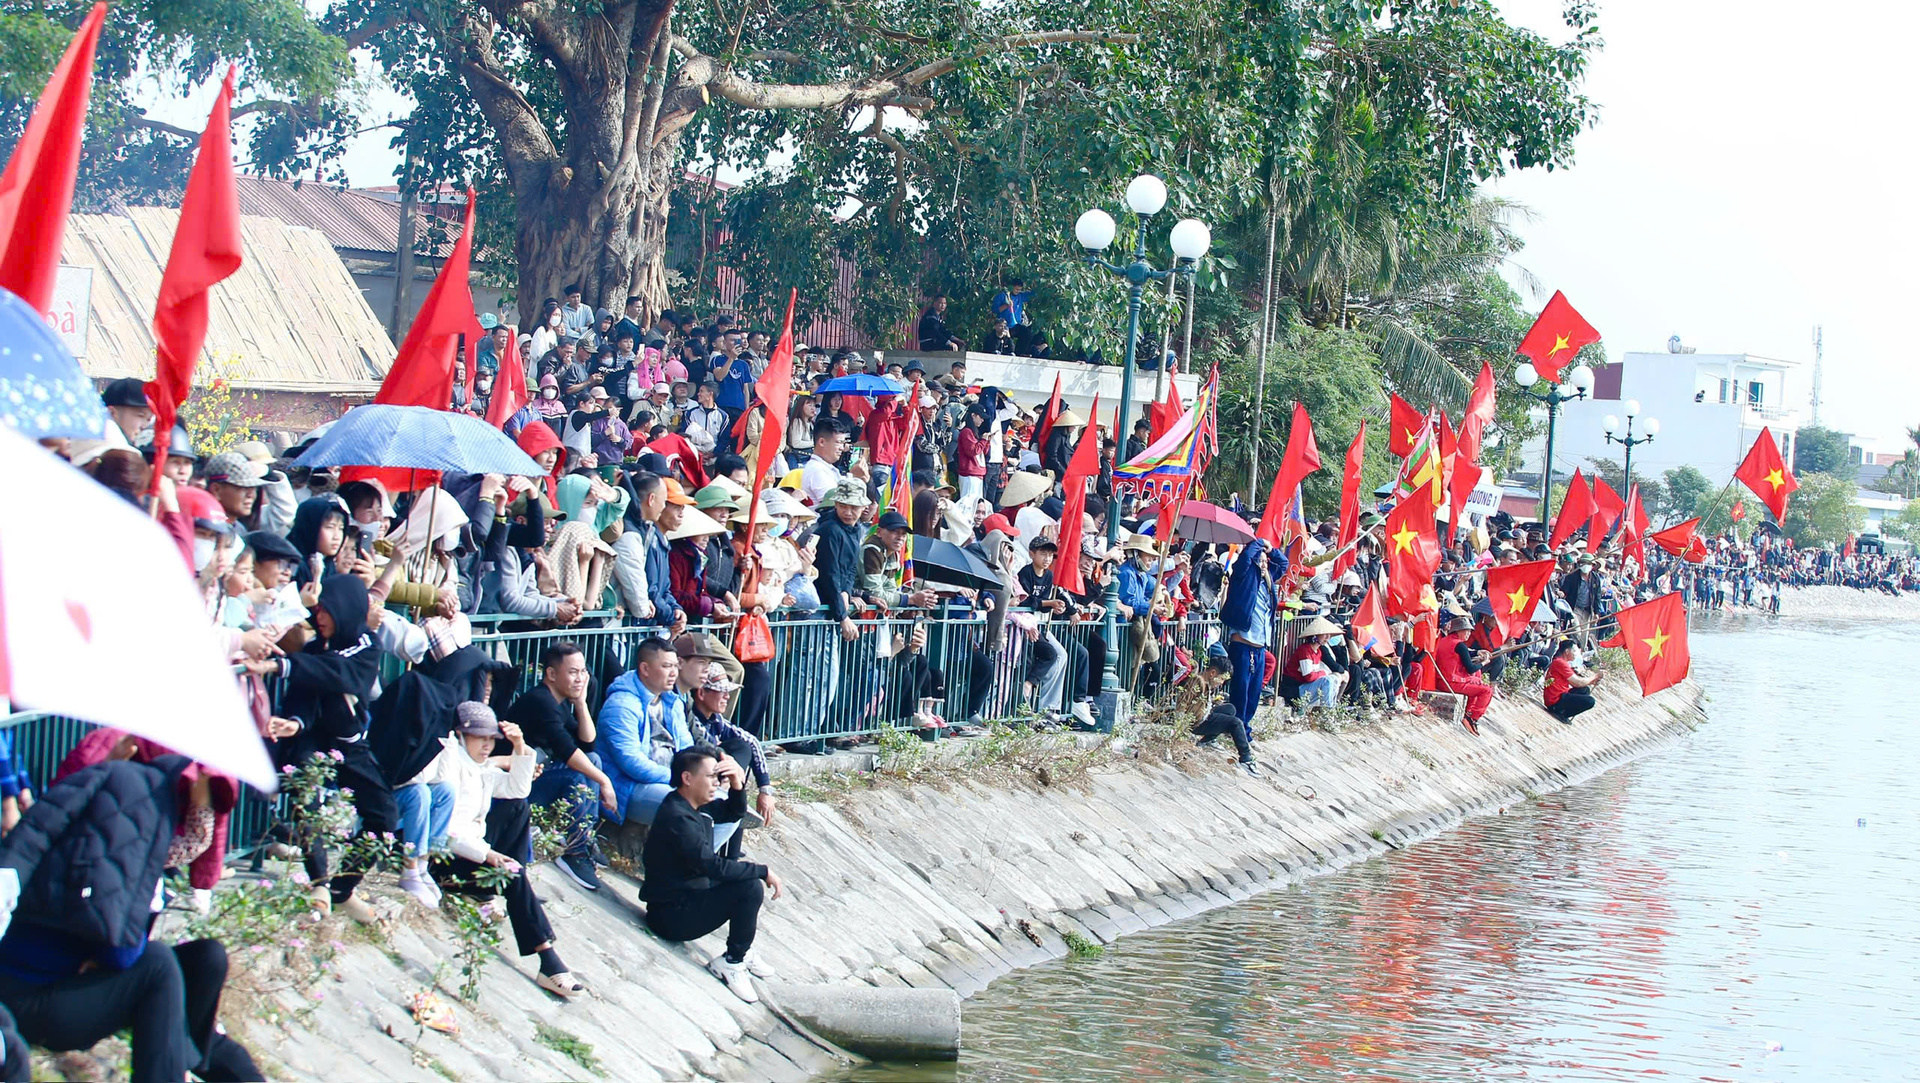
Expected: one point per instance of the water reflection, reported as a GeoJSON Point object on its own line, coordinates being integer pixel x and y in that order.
{"type": "Point", "coordinates": [1749, 889]}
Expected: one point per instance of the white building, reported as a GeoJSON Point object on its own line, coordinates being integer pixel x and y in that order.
{"type": "Point", "coordinates": [1710, 407]}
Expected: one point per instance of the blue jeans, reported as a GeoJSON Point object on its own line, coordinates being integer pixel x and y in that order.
{"type": "Point", "coordinates": [425, 811]}
{"type": "Point", "coordinates": [1249, 676]}
{"type": "Point", "coordinates": [1318, 692]}
{"type": "Point", "coordinates": [564, 784]}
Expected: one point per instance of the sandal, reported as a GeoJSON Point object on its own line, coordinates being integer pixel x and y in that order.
{"type": "Point", "coordinates": [562, 985]}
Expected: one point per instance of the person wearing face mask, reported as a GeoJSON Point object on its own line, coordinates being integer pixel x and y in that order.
{"type": "Point", "coordinates": [552, 329]}
{"type": "Point", "coordinates": [549, 406]}
{"type": "Point", "coordinates": [368, 506]}
{"type": "Point", "coordinates": [482, 394]}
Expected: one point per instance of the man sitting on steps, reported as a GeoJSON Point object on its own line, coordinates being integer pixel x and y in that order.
{"type": "Point", "coordinates": [689, 889]}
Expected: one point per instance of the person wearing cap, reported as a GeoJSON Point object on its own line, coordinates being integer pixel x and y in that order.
{"type": "Point", "coordinates": [1049, 662]}
{"type": "Point", "coordinates": [838, 560]}
{"type": "Point", "coordinates": [127, 405]}
{"type": "Point", "coordinates": [180, 459]}
{"type": "Point", "coordinates": [709, 690]}
{"type": "Point", "coordinates": [881, 567]}
{"type": "Point", "coordinates": [1306, 667]}
{"type": "Point", "coordinates": [489, 824]}
{"type": "Point", "coordinates": [235, 481]}
{"type": "Point", "coordinates": [1458, 666]}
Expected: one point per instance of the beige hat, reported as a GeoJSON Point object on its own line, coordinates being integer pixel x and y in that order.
{"type": "Point", "coordinates": [1320, 626]}
{"type": "Point", "coordinates": [760, 515]}
{"type": "Point", "coordinates": [1139, 543]}
{"type": "Point", "coordinates": [695, 523]}
{"type": "Point", "coordinates": [255, 451]}
{"type": "Point", "coordinates": [1023, 488]}
{"type": "Point", "coordinates": [732, 488]}
{"type": "Point", "coordinates": [850, 491]}
{"type": "Point", "coordinates": [1069, 419]}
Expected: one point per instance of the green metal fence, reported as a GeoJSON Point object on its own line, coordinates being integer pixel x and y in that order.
{"type": "Point", "coordinates": [823, 685]}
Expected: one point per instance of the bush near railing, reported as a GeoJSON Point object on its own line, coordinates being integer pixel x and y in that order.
{"type": "Point", "coordinates": [823, 686]}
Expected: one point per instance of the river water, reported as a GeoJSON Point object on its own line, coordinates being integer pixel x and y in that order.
{"type": "Point", "coordinates": [1742, 905]}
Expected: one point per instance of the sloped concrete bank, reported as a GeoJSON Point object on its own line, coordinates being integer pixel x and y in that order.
{"type": "Point", "coordinates": [1847, 603]}
{"type": "Point", "coordinates": [941, 884]}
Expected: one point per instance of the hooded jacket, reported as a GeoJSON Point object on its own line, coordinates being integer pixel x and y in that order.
{"type": "Point", "coordinates": [331, 679]}
{"type": "Point", "coordinates": [626, 751]}
{"type": "Point", "coordinates": [535, 439]}
{"type": "Point", "coordinates": [223, 791]}
{"type": "Point", "coordinates": [304, 534]}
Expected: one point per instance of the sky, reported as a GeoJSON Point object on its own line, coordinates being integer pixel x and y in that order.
{"type": "Point", "coordinates": [1747, 180]}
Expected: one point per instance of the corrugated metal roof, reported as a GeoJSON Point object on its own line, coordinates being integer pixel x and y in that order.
{"type": "Point", "coordinates": [291, 318]}
{"type": "Point", "coordinates": [349, 219]}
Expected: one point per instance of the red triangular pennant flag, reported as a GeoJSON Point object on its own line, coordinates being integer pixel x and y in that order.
{"type": "Point", "coordinates": [1302, 458]}
{"type": "Point", "coordinates": [206, 249]}
{"type": "Point", "coordinates": [36, 191]}
{"type": "Point", "coordinates": [1350, 500]}
{"type": "Point", "coordinates": [1607, 508]}
{"type": "Point", "coordinates": [422, 372]}
{"type": "Point", "coordinates": [1676, 539]}
{"type": "Point", "coordinates": [1044, 428]}
{"type": "Point", "coordinates": [1767, 474]}
{"type": "Point", "coordinates": [1556, 337]}
{"type": "Point", "coordinates": [509, 386]}
{"type": "Point", "coordinates": [1084, 466]}
{"type": "Point", "coordinates": [1369, 624]}
{"type": "Point", "coordinates": [1575, 510]}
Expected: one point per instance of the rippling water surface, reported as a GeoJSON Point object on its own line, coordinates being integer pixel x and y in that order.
{"type": "Point", "coordinates": [1743, 905]}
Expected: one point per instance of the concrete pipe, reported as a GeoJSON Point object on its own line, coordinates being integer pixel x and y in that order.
{"type": "Point", "coordinates": [884, 1024]}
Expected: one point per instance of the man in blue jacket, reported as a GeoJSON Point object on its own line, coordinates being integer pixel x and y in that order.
{"type": "Point", "coordinates": [1250, 615]}
{"type": "Point", "coordinates": [642, 724]}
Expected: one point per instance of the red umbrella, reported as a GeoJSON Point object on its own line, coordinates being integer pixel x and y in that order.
{"type": "Point", "coordinates": [1209, 523]}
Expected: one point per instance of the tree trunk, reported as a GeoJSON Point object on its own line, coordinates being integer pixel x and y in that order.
{"type": "Point", "coordinates": [610, 239]}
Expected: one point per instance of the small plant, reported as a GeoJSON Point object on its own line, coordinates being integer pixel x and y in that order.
{"type": "Point", "coordinates": [1079, 946]}
{"type": "Point", "coordinates": [553, 822]}
{"type": "Point", "coordinates": [479, 927]}
{"type": "Point", "coordinates": [567, 1045]}
{"type": "Point", "coordinates": [902, 753]}
{"type": "Point", "coordinates": [1378, 835]}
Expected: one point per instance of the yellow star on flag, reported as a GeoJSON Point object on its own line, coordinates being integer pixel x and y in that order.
{"type": "Point", "coordinates": [1655, 644]}
{"type": "Point", "coordinates": [1776, 479]}
{"type": "Point", "coordinates": [1413, 436]}
{"type": "Point", "coordinates": [1560, 342]}
{"type": "Point", "coordinates": [1517, 601]}
{"type": "Point", "coordinates": [1403, 541]}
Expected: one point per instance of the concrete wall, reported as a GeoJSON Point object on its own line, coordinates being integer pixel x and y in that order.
{"type": "Point", "coordinates": [945, 885]}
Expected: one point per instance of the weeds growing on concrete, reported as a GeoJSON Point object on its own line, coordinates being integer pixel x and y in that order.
{"type": "Point", "coordinates": [1080, 947]}
{"type": "Point", "coordinates": [568, 1046]}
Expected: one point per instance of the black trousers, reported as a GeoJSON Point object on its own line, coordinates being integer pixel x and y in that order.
{"type": "Point", "coordinates": [1573, 702]}
{"type": "Point", "coordinates": [756, 694]}
{"type": "Point", "coordinates": [735, 904]}
{"type": "Point", "coordinates": [151, 998]}
{"type": "Point", "coordinates": [509, 831]}
{"type": "Point", "coordinates": [372, 799]}
{"type": "Point", "coordinates": [1225, 721]}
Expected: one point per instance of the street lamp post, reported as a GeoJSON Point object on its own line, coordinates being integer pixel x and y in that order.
{"type": "Point", "coordinates": [1189, 239]}
{"type": "Point", "coordinates": [1649, 429]}
{"type": "Point", "coordinates": [1552, 395]}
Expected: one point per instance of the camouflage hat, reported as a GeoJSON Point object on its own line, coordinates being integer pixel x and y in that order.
{"type": "Point", "coordinates": [851, 491]}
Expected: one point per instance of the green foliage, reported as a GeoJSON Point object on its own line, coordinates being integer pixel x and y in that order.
{"type": "Point", "coordinates": [1905, 525]}
{"type": "Point", "coordinates": [478, 926]}
{"type": "Point", "coordinates": [1079, 947]}
{"type": "Point", "coordinates": [1820, 450]}
{"type": "Point", "coordinates": [1336, 375]}
{"type": "Point", "coordinates": [568, 1046]}
{"type": "Point", "coordinates": [1689, 492]}
{"type": "Point", "coordinates": [1822, 511]}
{"type": "Point", "coordinates": [1653, 494]}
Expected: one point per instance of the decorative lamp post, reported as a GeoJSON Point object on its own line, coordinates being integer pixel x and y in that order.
{"type": "Point", "coordinates": [1649, 429]}
{"type": "Point", "coordinates": [1578, 382]}
{"type": "Point", "coordinates": [1189, 239]}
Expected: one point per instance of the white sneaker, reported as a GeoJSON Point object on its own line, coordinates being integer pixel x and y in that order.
{"type": "Point", "coordinates": [735, 977]}
{"type": "Point", "coordinates": [757, 967]}
{"type": "Point", "coordinates": [422, 889]}
{"type": "Point", "coordinates": [1083, 714]}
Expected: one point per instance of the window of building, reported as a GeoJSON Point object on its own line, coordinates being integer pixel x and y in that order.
{"type": "Point", "coordinates": [1756, 393]}
{"type": "Point", "coordinates": [1723, 391]}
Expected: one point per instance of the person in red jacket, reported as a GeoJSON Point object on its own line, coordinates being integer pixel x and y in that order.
{"type": "Point", "coordinates": [970, 457]}
{"type": "Point", "coordinates": [1458, 666]}
{"type": "Point", "coordinates": [886, 431]}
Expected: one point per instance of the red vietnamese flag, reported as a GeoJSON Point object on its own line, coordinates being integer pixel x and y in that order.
{"type": "Point", "coordinates": [1164, 415]}
{"type": "Point", "coordinates": [1301, 459]}
{"type": "Point", "coordinates": [1655, 636]}
{"type": "Point", "coordinates": [1607, 509]}
{"type": "Point", "coordinates": [1738, 511]}
{"type": "Point", "coordinates": [1449, 443]}
{"type": "Point", "coordinates": [1514, 590]}
{"type": "Point", "coordinates": [206, 249]}
{"type": "Point", "coordinates": [1045, 426]}
{"type": "Point", "coordinates": [1575, 510]}
{"type": "Point", "coordinates": [1696, 551]}
{"type": "Point", "coordinates": [1350, 500]}
{"type": "Point", "coordinates": [1480, 407]}
{"type": "Point", "coordinates": [1633, 527]}
{"type": "Point", "coordinates": [36, 191]}
{"type": "Point", "coordinates": [1555, 337]}
{"type": "Point", "coordinates": [902, 481]}
{"type": "Point", "coordinates": [422, 373]}
{"type": "Point", "coordinates": [1676, 539]}
{"type": "Point", "coordinates": [1406, 426]}
{"type": "Point", "coordinates": [1413, 555]}
{"type": "Point", "coordinates": [1766, 473]}
{"type": "Point", "coordinates": [1369, 624]}
{"type": "Point", "coordinates": [509, 386]}
{"type": "Point", "coordinates": [1084, 465]}
{"type": "Point", "coordinates": [774, 390]}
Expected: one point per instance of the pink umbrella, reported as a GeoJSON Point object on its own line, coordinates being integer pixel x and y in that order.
{"type": "Point", "coordinates": [1208, 523]}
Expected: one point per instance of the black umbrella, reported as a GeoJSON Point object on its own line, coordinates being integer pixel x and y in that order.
{"type": "Point", "coordinates": [944, 562]}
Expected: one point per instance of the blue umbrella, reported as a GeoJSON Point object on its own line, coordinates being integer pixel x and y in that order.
{"type": "Point", "coordinates": [859, 383]}
{"type": "Point", "coordinates": [418, 438]}
{"type": "Point", "coordinates": [43, 391]}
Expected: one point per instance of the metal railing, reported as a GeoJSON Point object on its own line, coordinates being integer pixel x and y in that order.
{"type": "Point", "coordinates": [819, 685]}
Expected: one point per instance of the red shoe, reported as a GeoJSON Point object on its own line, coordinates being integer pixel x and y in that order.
{"type": "Point", "coordinates": [1471, 728]}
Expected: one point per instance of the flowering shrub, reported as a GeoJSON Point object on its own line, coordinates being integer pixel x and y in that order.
{"type": "Point", "coordinates": [216, 416]}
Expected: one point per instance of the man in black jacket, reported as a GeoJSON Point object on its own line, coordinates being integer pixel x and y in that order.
{"type": "Point", "coordinates": [555, 719]}
{"type": "Point", "coordinates": [689, 889]}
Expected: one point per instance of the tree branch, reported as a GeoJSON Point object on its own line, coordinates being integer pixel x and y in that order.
{"type": "Point", "coordinates": [524, 140]}
{"type": "Point", "coordinates": [1009, 43]}
{"type": "Point", "coordinates": [166, 129]}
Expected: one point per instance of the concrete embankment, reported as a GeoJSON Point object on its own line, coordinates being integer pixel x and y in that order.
{"type": "Point", "coordinates": [948, 882]}
{"type": "Point", "coordinates": [1847, 603]}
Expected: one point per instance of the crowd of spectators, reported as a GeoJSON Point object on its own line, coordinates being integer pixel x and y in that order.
{"type": "Point", "coordinates": [323, 588]}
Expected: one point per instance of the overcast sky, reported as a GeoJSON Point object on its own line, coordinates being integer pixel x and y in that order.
{"type": "Point", "coordinates": [1748, 179]}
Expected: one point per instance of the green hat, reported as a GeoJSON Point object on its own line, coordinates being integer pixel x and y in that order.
{"type": "Point", "coordinates": [714, 496]}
